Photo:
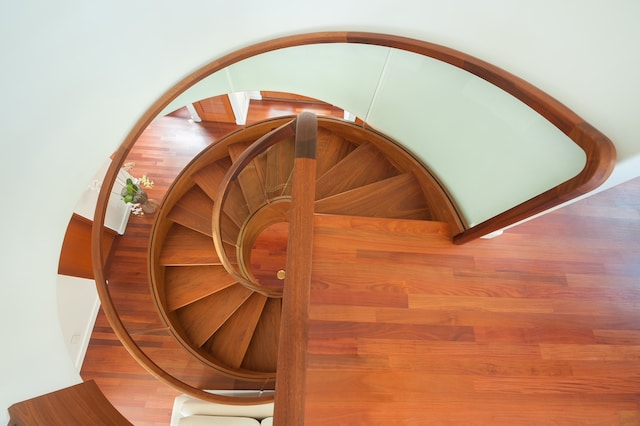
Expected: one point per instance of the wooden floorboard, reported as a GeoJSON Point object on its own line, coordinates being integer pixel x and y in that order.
{"type": "Point", "coordinates": [491, 332]}
{"type": "Point", "coordinates": [538, 326]}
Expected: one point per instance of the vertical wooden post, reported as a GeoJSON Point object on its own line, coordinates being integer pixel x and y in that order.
{"type": "Point", "coordinates": [292, 349]}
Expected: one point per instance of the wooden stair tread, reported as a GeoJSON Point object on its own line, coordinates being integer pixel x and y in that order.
{"type": "Point", "coordinates": [230, 249]}
{"type": "Point", "coordinates": [331, 149]}
{"type": "Point", "coordinates": [194, 210]}
{"type": "Point", "coordinates": [235, 204]}
{"type": "Point", "coordinates": [346, 234]}
{"type": "Point", "coordinates": [236, 149]}
{"type": "Point", "coordinates": [362, 166]}
{"type": "Point", "coordinates": [250, 179]}
{"type": "Point", "coordinates": [375, 260]}
{"type": "Point", "coordinates": [262, 354]}
{"type": "Point", "coordinates": [209, 177]}
{"type": "Point", "coordinates": [229, 229]}
{"type": "Point", "coordinates": [230, 343]}
{"type": "Point", "coordinates": [396, 197]}
{"type": "Point", "coordinates": [187, 284]}
{"type": "Point", "coordinates": [201, 319]}
{"type": "Point", "coordinates": [279, 165]}
{"type": "Point", "coordinates": [184, 246]}
{"type": "Point", "coordinates": [81, 404]}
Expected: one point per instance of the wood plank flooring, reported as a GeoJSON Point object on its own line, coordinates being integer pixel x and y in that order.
{"type": "Point", "coordinates": [494, 332]}
{"type": "Point", "coordinates": [538, 326]}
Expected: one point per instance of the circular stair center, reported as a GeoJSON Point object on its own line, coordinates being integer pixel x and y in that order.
{"type": "Point", "coordinates": [269, 256]}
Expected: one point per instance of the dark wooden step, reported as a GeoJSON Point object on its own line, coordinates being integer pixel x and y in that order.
{"type": "Point", "coordinates": [194, 210]}
{"type": "Point", "coordinates": [187, 284]}
{"type": "Point", "coordinates": [331, 149]}
{"type": "Point", "coordinates": [235, 205]}
{"type": "Point", "coordinates": [201, 319]}
{"type": "Point", "coordinates": [209, 177]}
{"type": "Point", "coordinates": [363, 166]}
{"type": "Point", "coordinates": [229, 229]}
{"type": "Point", "coordinates": [250, 179]}
{"type": "Point", "coordinates": [183, 246]}
{"type": "Point", "coordinates": [279, 165]}
{"type": "Point", "coordinates": [230, 249]}
{"type": "Point", "coordinates": [230, 343]}
{"type": "Point", "coordinates": [262, 354]}
{"type": "Point", "coordinates": [397, 197]}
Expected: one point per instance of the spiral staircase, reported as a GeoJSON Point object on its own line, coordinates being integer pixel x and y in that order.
{"type": "Point", "coordinates": [219, 244]}
{"type": "Point", "coordinates": [225, 248]}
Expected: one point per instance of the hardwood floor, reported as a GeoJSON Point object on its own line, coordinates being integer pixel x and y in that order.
{"type": "Point", "coordinates": [538, 326]}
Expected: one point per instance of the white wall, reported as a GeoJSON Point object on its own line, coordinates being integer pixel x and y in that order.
{"type": "Point", "coordinates": [78, 305]}
{"type": "Point", "coordinates": [77, 75]}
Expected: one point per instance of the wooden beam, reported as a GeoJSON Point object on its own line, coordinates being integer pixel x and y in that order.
{"type": "Point", "coordinates": [292, 350]}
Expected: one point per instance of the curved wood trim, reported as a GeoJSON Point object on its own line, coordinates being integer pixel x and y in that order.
{"type": "Point", "coordinates": [285, 131]}
{"type": "Point", "coordinates": [600, 162]}
{"type": "Point", "coordinates": [440, 202]}
{"type": "Point", "coordinates": [123, 335]}
{"type": "Point", "coordinates": [599, 149]}
{"type": "Point", "coordinates": [294, 324]}
{"type": "Point", "coordinates": [161, 227]}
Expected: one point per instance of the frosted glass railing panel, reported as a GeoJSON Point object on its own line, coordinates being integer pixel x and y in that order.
{"type": "Point", "coordinates": [490, 150]}
{"type": "Point", "coordinates": [340, 74]}
{"type": "Point", "coordinates": [214, 85]}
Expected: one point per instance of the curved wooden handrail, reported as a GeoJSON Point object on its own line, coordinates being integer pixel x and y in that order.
{"type": "Point", "coordinates": [120, 330]}
{"type": "Point", "coordinates": [600, 162]}
{"type": "Point", "coordinates": [283, 132]}
{"type": "Point", "coordinates": [294, 323]}
{"type": "Point", "coordinates": [598, 148]}
{"type": "Point", "coordinates": [161, 227]}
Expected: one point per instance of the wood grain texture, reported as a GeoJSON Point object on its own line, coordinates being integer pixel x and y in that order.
{"type": "Point", "coordinates": [184, 246]}
{"type": "Point", "coordinates": [250, 180]}
{"type": "Point", "coordinates": [194, 211]}
{"type": "Point", "coordinates": [201, 319]}
{"type": "Point", "coordinates": [75, 255]}
{"type": "Point", "coordinates": [585, 254]}
{"type": "Point", "coordinates": [215, 109]}
{"type": "Point", "coordinates": [331, 149]}
{"type": "Point", "coordinates": [162, 152]}
{"type": "Point", "coordinates": [232, 340]}
{"type": "Point", "coordinates": [538, 326]}
{"type": "Point", "coordinates": [209, 177]}
{"type": "Point", "coordinates": [266, 335]}
{"type": "Point", "coordinates": [279, 168]}
{"type": "Point", "coordinates": [402, 195]}
{"type": "Point", "coordinates": [441, 205]}
{"type": "Point", "coordinates": [600, 151]}
{"type": "Point", "coordinates": [82, 404]}
{"type": "Point", "coordinates": [363, 166]}
{"type": "Point", "coordinates": [188, 284]}
{"type": "Point", "coordinates": [292, 349]}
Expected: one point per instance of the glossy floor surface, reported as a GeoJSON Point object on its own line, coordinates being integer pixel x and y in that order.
{"type": "Point", "coordinates": [538, 326]}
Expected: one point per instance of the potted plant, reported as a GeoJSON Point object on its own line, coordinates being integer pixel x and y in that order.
{"type": "Point", "coordinates": [134, 194]}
